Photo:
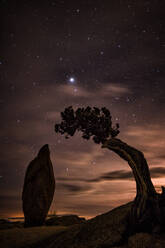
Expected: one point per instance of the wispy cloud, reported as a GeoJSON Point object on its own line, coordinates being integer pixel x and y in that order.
{"type": "Point", "coordinates": [73, 188]}
{"type": "Point", "coordinates": [150, 140]}
{"type": "Point", "coordinates": [109, 90]}
{"type": "Point", "coordinates": [156, 172]}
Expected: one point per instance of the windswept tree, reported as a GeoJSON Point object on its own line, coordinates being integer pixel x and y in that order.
{"type": "Point", "coordinates": [96, 123]}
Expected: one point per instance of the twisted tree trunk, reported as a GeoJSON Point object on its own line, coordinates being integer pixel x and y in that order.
{"type": "Point", "coordinates": [145, 212]}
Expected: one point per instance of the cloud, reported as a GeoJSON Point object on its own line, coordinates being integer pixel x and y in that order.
{"type": "Point", "coordinates": [109, 176]}
{"type": "Point", "coordinates": [156, 172]}
{"type": "Point", "coordinates": [73, 90]}
{"type": "Point", "coordinates": [150, 140]}
{"type": "Point", "coordinates": [114, 175]}
{"type": "Point", "coordinates": [73, 188]}
{"type": "Point", "coordinates": [106, 90]}
{"type": "Point", "coordinates": [128, 175]}
{"type": "Point", "coordinates": [80, 158]}
{"type": "Point", "coordinates": [114, 90]}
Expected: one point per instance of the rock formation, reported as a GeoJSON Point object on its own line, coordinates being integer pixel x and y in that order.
{"type": "Point", "coordinates": [38, 190]}
{"type": "Point", "coordinates": [66, 220]}
{"type": "Point", "coordinates": [108, 230]}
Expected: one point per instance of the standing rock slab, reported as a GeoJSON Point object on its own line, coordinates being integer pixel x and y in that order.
{"type": "Point", "coordinates": [38, 189]}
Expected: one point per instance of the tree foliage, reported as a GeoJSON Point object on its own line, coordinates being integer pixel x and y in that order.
{"type": "Point", "coordinates": [92, 122]}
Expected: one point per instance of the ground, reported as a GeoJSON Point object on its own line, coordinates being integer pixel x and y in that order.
{"type": "Point", "coordinates": [109, 230]}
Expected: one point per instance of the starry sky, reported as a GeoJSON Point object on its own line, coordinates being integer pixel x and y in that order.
{"type": "Point", "coordinates": [58, 53]}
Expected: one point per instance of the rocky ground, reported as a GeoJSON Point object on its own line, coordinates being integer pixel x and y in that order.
{"type": "Point", "coordinates": [6, 224]}
{"type": "Point", "coordinates": [109, 230]}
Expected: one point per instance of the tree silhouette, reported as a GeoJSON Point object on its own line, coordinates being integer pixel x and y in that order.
{"type": "Point", "coordinates": [97, 123]}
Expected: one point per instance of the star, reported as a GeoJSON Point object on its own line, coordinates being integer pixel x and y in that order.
{"type": "Point", "coordinates": [72, 80]}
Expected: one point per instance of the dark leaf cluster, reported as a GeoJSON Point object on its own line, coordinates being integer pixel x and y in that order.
{"type": "Point", "coordinates": [92, 122]}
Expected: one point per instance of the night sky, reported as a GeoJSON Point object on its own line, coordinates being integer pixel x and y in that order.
{"type": "Point", "coordinates": [56, 54]}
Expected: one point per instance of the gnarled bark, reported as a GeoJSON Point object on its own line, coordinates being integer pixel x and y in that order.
{"type": "Point", "coordinates": [146, 205]}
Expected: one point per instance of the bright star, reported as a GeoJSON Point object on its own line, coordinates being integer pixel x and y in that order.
{"type": "Point", "coordinates": [71, 80]}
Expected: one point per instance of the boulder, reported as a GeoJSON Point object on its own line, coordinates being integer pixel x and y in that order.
{"type": "Point", "coordinates": [66, 220]}
{"type": "Point", "coordinates": [103, 231]}
{"type": "Point", "coordinates": [38, 189]}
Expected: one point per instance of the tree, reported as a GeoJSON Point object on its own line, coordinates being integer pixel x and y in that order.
{"type": "Point", "coordinates": [97, 123]}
